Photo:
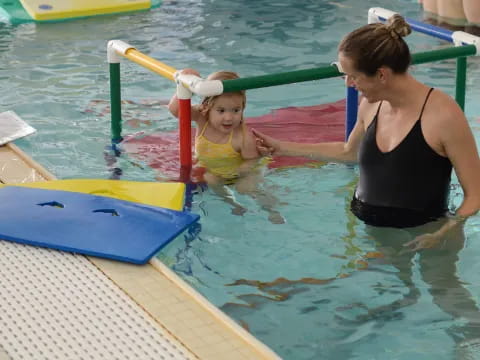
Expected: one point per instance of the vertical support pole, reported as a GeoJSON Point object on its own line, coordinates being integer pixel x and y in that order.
{"type": "Point", "coordinates": [114, 48]}
{"type": "Point", "coordinates": [185, 128]}
{"type": "Point", "coordinates": [461, 81]}
{"type": "Point", "coordinates": [351, 110]}
{"type": "Point", "coordinates": [115, 103]}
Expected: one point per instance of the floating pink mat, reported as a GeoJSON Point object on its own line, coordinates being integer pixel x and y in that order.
{"type": "Point", "coordinates": [307, 124]}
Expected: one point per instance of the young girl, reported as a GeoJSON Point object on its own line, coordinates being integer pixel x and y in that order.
{"type": "Point", "coordinates": [226, 148]}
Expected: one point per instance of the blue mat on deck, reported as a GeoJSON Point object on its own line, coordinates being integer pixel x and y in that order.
{"type": "Point", "coordinates": [88, 224]}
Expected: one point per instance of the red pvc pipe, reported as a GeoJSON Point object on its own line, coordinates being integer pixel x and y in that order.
{"type": "Point", "coordinates": [185, 128]}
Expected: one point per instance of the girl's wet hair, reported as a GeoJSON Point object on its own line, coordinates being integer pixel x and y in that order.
{"type": "Point", "coordinates": [207, 102]}
{"type": "Point", "coordinates": [376, 45]}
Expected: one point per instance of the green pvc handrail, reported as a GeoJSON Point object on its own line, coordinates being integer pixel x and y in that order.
{"type": "Point", "coordinates": [255, 82]}
{"type": "Point", "coordinates": [443, 54]}
{"type": "Point", "coordinates": [330, 71]}
{"type": "Point", "coordinates": [115, 103]}
{"type": "Point", "coordinates": [461, 81]}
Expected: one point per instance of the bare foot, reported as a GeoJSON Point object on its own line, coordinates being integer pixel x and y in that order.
{"type": "Point", "coordinates": [276, 218]}
{"type": "Point", "coordinates": [239, 210]}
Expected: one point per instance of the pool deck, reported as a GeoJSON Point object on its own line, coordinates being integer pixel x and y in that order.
{"type": "Point", "coordinates": [163, 315]}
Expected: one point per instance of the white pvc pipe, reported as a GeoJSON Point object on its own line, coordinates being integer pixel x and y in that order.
{"type": "Point", "coordinates": [115, 47]}
{"type": "Point", "coordinates": [376, 12]}
{"type": "Point", "coordinates": [198, 85]}
{"type": "Point", "coordinates": [463, 38]}
{"type": "Point", "coordinates": [182, 92]}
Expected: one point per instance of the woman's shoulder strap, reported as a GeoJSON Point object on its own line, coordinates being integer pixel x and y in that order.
{"type": "Point", "coordinates": [425, 102]}
{"type": "Point", "coordinates": [378, 108]}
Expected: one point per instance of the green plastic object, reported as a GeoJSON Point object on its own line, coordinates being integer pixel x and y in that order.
{"type": "Point", "coordinates": [115, 103]}
{"type": "Point", "coordinates": [12, 11]}
{"type": "Point", "coordinates": [461, 81]}
{"type": "Point", "coordinates": [330, 71]}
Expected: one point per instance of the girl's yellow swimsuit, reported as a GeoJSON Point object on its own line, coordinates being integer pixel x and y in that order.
{"type": "Point", "coordinates": [219, 159]}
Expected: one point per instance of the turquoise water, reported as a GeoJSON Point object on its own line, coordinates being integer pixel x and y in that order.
{"type": "Point", "coordinates": [322, 286]}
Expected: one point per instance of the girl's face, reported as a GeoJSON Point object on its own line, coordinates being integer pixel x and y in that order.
{"type": "Point", "coordinates": [369, 86]}
{"type": "Point", "coordinates": [226, 112]}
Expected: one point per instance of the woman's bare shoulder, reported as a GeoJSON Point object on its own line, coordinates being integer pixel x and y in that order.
{"type": "Point", "coordinates": [441, 107]}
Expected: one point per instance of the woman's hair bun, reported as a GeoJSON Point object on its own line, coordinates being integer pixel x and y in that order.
{"type": "Point", "coordinates": [397, 26]}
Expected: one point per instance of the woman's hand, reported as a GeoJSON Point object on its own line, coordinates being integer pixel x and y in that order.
{"type": "Point", "coordinates": [438, 238]}
{"type": "Point", "coordinates": [425, 241]}
{"type": "Point", "coordinates": [266, 145]}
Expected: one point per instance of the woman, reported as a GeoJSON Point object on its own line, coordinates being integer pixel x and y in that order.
{"type": "Point", "coordinates": [406, 139]}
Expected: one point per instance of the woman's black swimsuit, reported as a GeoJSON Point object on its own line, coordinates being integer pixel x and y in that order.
{"type": "Point", "coordinates": [407, 186]}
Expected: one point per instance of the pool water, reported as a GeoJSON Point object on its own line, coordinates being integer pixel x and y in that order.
{"type": "Point", "coordinates": [321, 286]}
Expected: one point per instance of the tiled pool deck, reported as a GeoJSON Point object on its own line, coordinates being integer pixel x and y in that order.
{"type": "Point", "coordinates": [180, 322]}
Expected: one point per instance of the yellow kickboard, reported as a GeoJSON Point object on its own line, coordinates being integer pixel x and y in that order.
{"type": "Point", "coordinates": [66, 9]}
{"type": "Point", "coordinates": [166, 195]}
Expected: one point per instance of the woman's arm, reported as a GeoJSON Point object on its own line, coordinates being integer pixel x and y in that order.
{"type": "Point", "coordinates": [459, 146]}
{"type": "Point", "coordinates": [462, 152]}
{"type": "Point", "coordinates": [325, 151]}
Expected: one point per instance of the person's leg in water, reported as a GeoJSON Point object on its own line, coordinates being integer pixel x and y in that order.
{"type": "Point", "coordinates": [430, 11]}
{"type": "Point", "coordinates": [388, 243]}
{"type": "Point", "coordinates": [472, 12]}
{"type": "Point", "coordinates": [249, 184]}
{"type": "Point", "coordinates": [451, 14]}
{"type": "Point", "coordinates": [448, 14]}
{"type": "Point", "coordinates": [219, 187]}
{"type": "Point", "coordinates": [438, 269]}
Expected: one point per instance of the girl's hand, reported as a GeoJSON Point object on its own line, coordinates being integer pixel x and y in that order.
{"type": "Point", "coordinates": [189, 71]}
{"type": "Point", "coordinates": [266, 145]}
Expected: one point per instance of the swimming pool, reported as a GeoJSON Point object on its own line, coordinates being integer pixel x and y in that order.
{"type": "Point", "coordinates": [309, 288]}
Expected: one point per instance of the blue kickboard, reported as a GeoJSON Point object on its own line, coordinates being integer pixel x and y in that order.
{"type": "Point", "coordinates": [88, 224]}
